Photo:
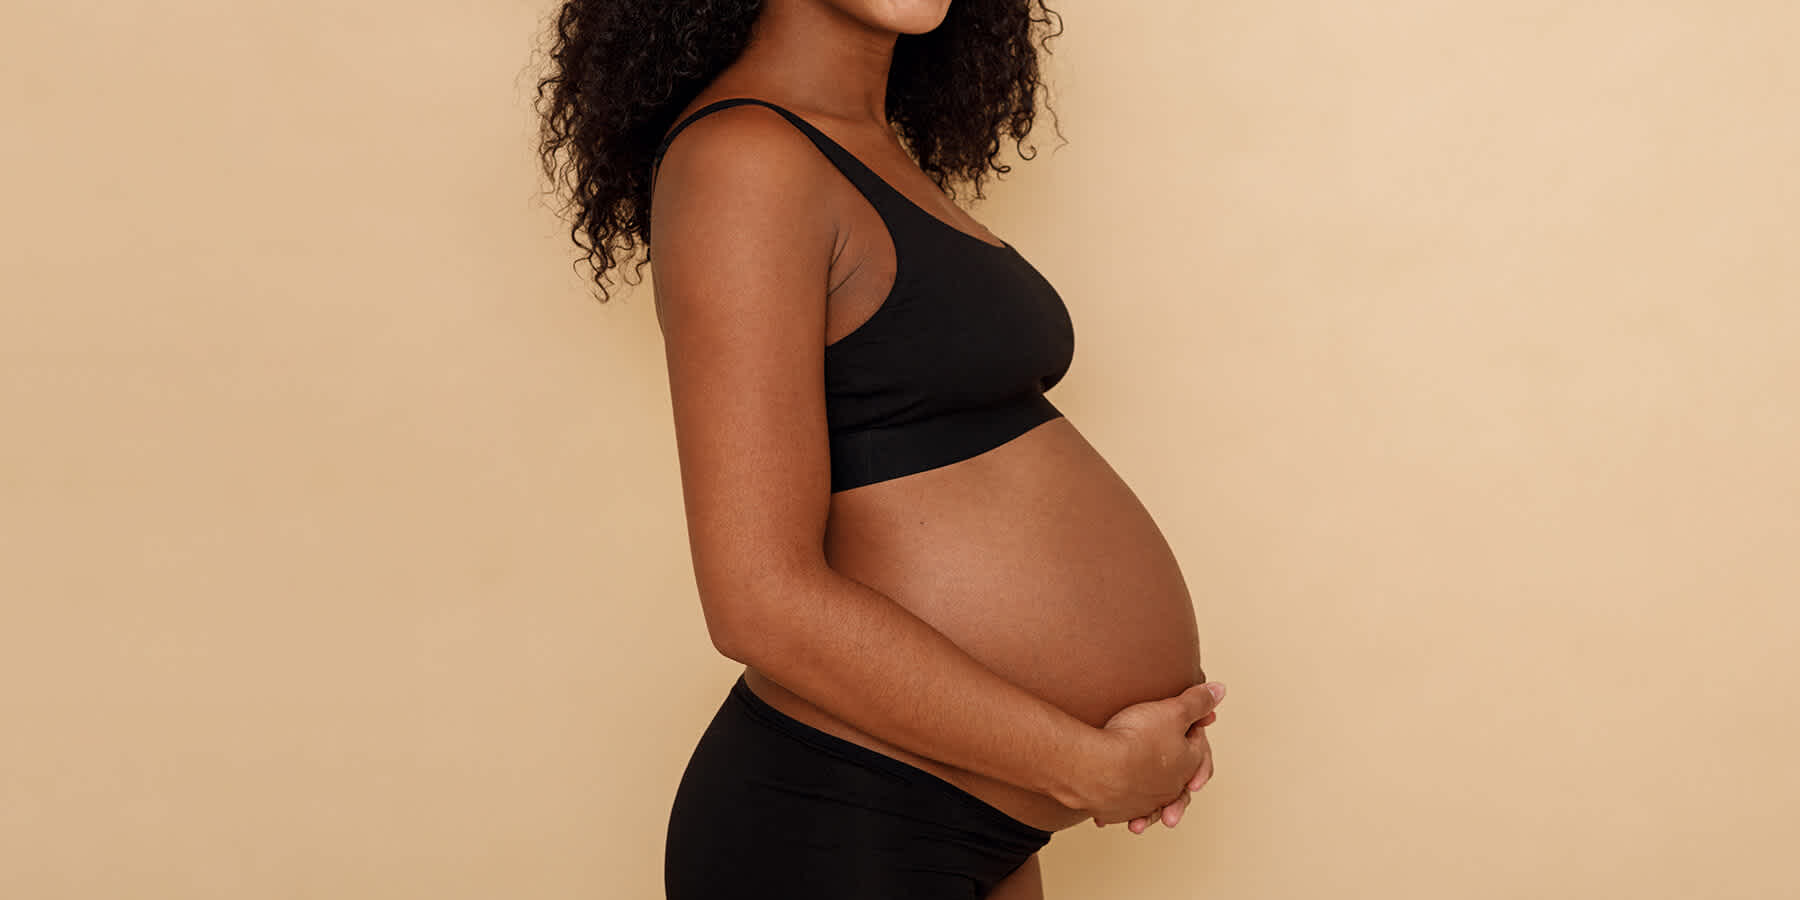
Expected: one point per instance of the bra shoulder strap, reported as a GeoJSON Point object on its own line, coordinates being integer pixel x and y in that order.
{"type": "Point", "coordinates": [872, 186]}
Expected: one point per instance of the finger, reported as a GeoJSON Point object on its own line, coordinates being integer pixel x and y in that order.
{"type": "Point", "coordinates": [1195, 730]}
{"type": "Point", "coordinates": [1204, 774]}
{"type": "Point", "coordinates": [1140, 824]}
{"type": "Point", "coordinates": [1197, 701]}
{"type": "Point", "coordinates": [1208, 768]}
{"type": "Point", "coordinates": [1171, 815]}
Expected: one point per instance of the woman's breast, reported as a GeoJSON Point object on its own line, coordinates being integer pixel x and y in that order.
{"type": "Point", "coordinates": [1038, 560]}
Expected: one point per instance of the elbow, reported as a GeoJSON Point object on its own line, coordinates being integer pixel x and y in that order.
{"type": "Point", "coordinates": [728, 641]}
{"type": "Point", "coordinates": [753, 617]}
{"type": "Point", "coordinates": [735, 624]}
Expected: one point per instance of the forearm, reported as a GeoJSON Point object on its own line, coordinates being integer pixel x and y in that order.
{"type": "Point", "coordinates": [867, 660]}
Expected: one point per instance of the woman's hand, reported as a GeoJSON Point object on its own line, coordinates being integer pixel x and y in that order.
{"type": "Point", "coordinates": [1150, 756]}
{"type": "Point", "coordinates": [1171, 815]}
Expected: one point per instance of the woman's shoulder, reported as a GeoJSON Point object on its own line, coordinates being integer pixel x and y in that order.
{"type": "Point", "coordinates": [740, 174]}
{"type": "Point", "coordinates": [735, 141]}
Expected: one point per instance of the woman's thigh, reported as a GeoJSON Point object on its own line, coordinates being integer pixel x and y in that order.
{"type": "Point", "coordinates": [1025, 884]}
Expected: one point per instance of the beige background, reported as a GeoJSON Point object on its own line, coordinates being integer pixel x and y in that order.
{"type": "Point", "coordinates": [1453, 346]}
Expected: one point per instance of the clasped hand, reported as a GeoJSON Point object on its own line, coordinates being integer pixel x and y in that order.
{"type": "Point", "coordinates": [1158, 756]}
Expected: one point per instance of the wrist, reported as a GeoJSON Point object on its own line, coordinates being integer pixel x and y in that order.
{"type": "Point", "coordinates": [1081, 753]}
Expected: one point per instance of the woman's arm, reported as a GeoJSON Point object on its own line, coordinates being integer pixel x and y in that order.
{"type": "Point", "coordinates": [744, 238]}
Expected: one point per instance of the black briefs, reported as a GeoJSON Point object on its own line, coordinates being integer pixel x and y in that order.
{"type": "Point", "coordinates": [771, 807]}
{"type": "Point", "coordinates": [956, 359]}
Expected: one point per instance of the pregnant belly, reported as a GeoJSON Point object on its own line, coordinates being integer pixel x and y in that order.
{"type": "Point", "coordinates": [1038, 560]}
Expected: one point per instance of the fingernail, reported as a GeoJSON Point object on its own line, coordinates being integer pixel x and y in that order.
{"type": "Point", "coordinates": [1217, 688]}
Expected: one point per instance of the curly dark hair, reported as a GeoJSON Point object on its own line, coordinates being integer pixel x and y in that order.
{"type": "Point", "coordinates": [621, 70]}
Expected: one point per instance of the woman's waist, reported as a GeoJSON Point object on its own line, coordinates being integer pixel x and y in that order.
{"type": "Point", "coordinates": [1089, 650]}
{"type": "Point", "coordinates": [1090, 657]}
{"type": "Point", "coordinates": [1021, 804]}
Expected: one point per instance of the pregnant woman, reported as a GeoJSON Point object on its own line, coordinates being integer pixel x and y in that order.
{"type": "Point", "coordinates": [961, 630]}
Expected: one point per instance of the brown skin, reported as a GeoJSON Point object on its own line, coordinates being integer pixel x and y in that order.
{"type": "Point", "coordinates": [1013, 622]}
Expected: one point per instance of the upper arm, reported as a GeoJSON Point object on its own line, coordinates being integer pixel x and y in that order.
{"type": "Point", "coordinates": [742, 244]}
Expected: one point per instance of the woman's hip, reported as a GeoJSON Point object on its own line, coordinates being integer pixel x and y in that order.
{"type": "Point", "coordinates": [770, 806]}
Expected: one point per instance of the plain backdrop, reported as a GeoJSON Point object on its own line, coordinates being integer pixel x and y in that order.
{"type": "Point", "coordinates": [1455, 347]}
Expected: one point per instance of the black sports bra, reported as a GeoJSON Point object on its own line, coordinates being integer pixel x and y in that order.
{"type": "Point", "coordinates": [956, 359]}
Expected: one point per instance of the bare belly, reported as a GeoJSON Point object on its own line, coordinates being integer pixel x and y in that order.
{"type": "Point", "coordinates": [1038, 560]}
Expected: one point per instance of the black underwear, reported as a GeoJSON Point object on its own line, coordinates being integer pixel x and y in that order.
{"type": "Point", "coordinates": [771, 807]}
